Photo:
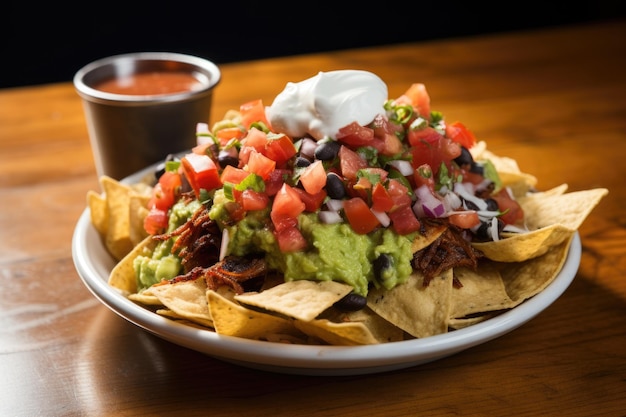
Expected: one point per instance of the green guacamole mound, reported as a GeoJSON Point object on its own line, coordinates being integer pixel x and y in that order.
{"type": "Point", "coordinates": [337, 253]}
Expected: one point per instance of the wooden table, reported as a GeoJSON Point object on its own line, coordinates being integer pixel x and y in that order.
{"type": "Point", "coordinates": [553, 99]}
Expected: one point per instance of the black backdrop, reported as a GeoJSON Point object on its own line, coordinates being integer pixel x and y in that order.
{"type": "Point", "coordinates": [49, 42]}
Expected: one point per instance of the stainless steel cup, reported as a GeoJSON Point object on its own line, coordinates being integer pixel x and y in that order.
{"type": "Point", "coordinates": [130, 132]}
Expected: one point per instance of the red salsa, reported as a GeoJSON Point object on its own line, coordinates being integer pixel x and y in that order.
{"type": "Point", "coordinates": [151, 83]}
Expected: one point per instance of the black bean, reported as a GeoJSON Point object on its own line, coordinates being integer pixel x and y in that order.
{"type": "Point", "coordinates": [351, 302]}
{"type": "Point", "coordinates": [477, 168]}
{"type": "Point", "coordinates": [327, 151]}
{"type": "Point", "coordinates": [302, 162]}
{"type": "Point", "coordinates": [383, 263]}
{"type": "Point", "coordinates": [465, 158]}
{"type": "Point", "coordinates": [228, 157]}
{"type": "Point", "coordinates": [335, 187]}
{"type": "Point", "coordinates": [492, 204]}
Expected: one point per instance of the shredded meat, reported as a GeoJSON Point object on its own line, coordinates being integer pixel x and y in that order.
{"type": "Point", "coordinates": [450, 250]}
{"type": "Point", "coordinates": [199, 240]}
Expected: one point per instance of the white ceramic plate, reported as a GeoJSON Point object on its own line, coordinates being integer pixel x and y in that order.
{"type": "Point", "coordinates": [94, 264]}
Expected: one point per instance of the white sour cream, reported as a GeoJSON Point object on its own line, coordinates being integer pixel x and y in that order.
{"type": "Point", "coordinates": [323, 104]}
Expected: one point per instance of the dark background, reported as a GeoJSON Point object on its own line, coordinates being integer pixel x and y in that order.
{"type": "Point", "coordinates": [49, 42]}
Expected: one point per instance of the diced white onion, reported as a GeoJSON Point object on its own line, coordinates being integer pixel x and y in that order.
{"type": "Point", "coordinates": [307, 148]}
{"type": "Point", "coordinates": [514, 229]}
{"type": "Point", "coordinates": [461, 190]}
{"type": "Point", "coordinates": [427, 203]}
{"type": "Point", "coordinates": [493, 228]}
{"type": "Point", "coordinates": [404, 167]}
{"type": "Point", "coordinates": [329, 217]}
{"type": "Point", "coordinates": [382, 217]}
{"type": "Point", "coordinates": [334, 204]}
{"type": "Point", "coordinates": [224, 244]}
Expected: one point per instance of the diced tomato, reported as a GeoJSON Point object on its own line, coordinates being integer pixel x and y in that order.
{"type": "Point", "coordinates": [359, 215]}
{"type": "Point", "coordinates": [392, 145]}
{"type": "Point", "coordinates": [290, 240]}
{"type": "Point", "coordinates": [432, 148]}
{"type": "Point", "coordinates": [233, 175]}
{"type": "Point", "coordinates": [253, 200]}
{"type": "Point", "coordinates": [513, 212]}
{"type": "Point", "coordinates": [464, 220]}
{"type": "Point", "coordinates": [282, 222]}
{"type": "Point", "coordinates": [260, 164]}
{"type": "Point", "coordinates": [355, 135]}
{"type": "Point", "coordinates": [203, 149]}
{"type": "Point", "coordinates": [420, 99]}
{"type": "Point", "coordinates": [312, 202]}
{"type": "Point", "coordinates": [256, 138]}
{"type": "Point", "coordinates": [404, 221]}
{"type": "Point", "coordinates": [460, 134]}
{"type": "Point", "coordinates": [229, 133]}
{"type": "Point", "coordinates": [313, 177]}
{"type": "Point", "coordinates": [381, 200]}
{"type": "Point", "coordinates": [350, 162]}
{"type": "Point", "coordinates": [253, 112]}
{"type": "Point", "coordinates": [275, 181]}
{"type": "Point", "coordinates": [165, 191]}
{"type": "Point", "coordinates": [424, 175]}
{"type": "Point", "coordinates": [287, 202]}
{"type": "Point", "coordinates": [280, 148]}
{"type": "Point", "coordinates": [201, 172]}
{"type": "Point", "coordinates": [156, 221]}
{"type": "Point", "coordinates": [398, 193]}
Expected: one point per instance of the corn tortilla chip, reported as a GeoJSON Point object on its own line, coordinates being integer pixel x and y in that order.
{"type": "Point", "coordinates": [122, 275]}
{"type": "Point", "coordinates": [419, 310]}
{"type": "Point", "coordinates": [569, 209]}
{"type": "Point", "coordinates": [300, 299]}
{"type": "Point", "coordinates": [232, 319]}
{"type": "Point", "coordinates": [382, 330]}
{"type": "Point", "coordinates": [482, 291]}
{"type": "Point", "coordinates": [186, 298]}
{"type": "Point", "coordinates": [137, 212]}
{"type": "Point", "coordinates": [526, 279]}
{"type": "Point", "coordinates": [98, 212]}
{"type": "Point", "coordinates": [117, 238]}
{"type": "Point", "coordinates": [340, 334]}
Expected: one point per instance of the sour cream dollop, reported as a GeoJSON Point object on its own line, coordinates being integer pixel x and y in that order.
{"type": "Point", "coordinates": [323, 104]}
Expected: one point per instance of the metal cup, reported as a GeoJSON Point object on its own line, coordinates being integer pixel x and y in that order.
{"type": "Point", "coordinates": [129, 132]}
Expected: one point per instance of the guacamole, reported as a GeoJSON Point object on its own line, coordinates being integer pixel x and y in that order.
{"type": "Point", "coordinates": [337, 252]}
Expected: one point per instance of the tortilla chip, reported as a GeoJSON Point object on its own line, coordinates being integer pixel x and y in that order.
{"type": "Point", "coordinates": [171, 314]}
{"type": "Point", "coordinates": [432, 230]}
{"type": "Point", "coordinates": [98, 211]}
{"type": "Point", "coordinates": [123, 275]}
{"type": "Point", "coordinates": [300, 299]}
{"type": "Point", "coordinates": [419, 310]}
{"type": "Point", "coordinates": [382, 330]}
{"type": "Point", "coordinates": [186, 298]}
{"type": "Point", "coordinates": [145, 298]}
{"type": "Point", "coordinates": [232, 319]}
{"type": "Point", "coordinates": [117, 238]}
{"type": "Point", "coordinates": [569, 209]}
{"type": "Point", "coordinates": [340, 334]}
{"type": "Point", "coordinates": [526, 279]}
{"type": "Point", "coordinates": [523, 246]}
{"type": "Point", "coordinates": [482, 291]}
{"type": "Point", "coordinates": [456, 324]}
{"type": "Point", "coordinates": [137, 212]}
